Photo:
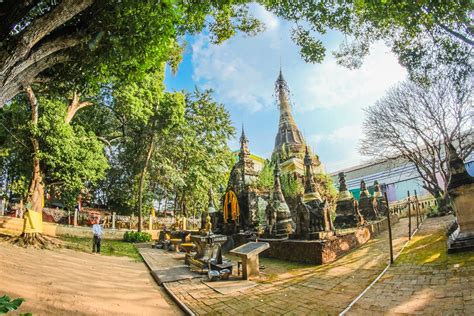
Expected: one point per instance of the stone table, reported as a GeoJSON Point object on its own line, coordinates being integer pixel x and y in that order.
{"type": "Point", "coordinates": [249, 255]}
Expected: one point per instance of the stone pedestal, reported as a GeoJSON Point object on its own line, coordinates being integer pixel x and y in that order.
{"type": "Point", "coordinates": [366, 208]}
{"type": "Point", "coordinates": [176, 242]}
{"type": "Point", "coordinates": [250, 261]}
{"type": "Point", "coordinates": [461, 192]}
{"type": "Point", "coordinates": [346, 214]}
{"type": "Point", "coordinates": [463, 202]}
{"type": "Point", "coordinates": [208, 254]}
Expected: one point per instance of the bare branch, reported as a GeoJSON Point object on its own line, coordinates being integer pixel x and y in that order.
{"type": "Point", "coordinates": [414, 122]}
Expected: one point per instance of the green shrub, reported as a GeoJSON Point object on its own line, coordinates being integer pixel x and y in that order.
{"type": "Point", "coordinates": [433, 211]}
{"type": "Point", "coordinates": [130, 236]}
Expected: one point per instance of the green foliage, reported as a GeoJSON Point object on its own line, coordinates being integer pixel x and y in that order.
{"type": "Point", "coordinates": [19, 186]}
{"type": "Point", "coordinates": [132, 236]}
{"type": "Point", "coordinates": [326, 188]}
{"type": "Point", "coordinates": [124, 40]}
{"type": "Point", "coordinates": [291, 186]}
{"type": "Point", "coordinates": [265, 177]}
{"type": "Point", "coordinates": [423, 34]}
{"type": "Point", "coordinates": [196, 156]}
{"type": "Point", "coordinates": [190, 150]}
{"type": "Point", "coordinates": [71, 156]}
{"type": "Point", "coordinates": [149, 116]}
{"type": "Point", "coordinates": [433, 211]}
{"type": "Point", "coordinates": [8, 305]}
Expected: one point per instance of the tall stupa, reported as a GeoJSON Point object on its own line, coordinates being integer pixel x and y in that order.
{"type": "Point", "coordinates": [290, 145]}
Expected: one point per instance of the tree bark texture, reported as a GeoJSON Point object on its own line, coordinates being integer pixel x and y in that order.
{"type": "Point", "coordinates": [36, 190]}
{"type": "Point", "coordinates": [142, 182]}
{"type": "Point", "coordinates": [36, 47]}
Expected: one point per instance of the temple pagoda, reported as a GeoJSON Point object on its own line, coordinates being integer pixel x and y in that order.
{"type": "Point", "coordinates": [290, 145]}
{"type": "Point", "coordinates": [237, 214]}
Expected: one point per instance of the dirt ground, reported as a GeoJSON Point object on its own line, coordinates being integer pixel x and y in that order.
{"type": "Point", "coordinates": [68, 282]}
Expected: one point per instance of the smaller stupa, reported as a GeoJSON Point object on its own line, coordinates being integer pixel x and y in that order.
{"type": "Point", "coordinates": [279, 221]}
{"type": "Point", "coordinates": [366, 203]}
{"type": "Point", "coordinates": [312, 213]}
{"type": "Point", "coordinates": [242, 176]}
{"type": "Point", "coordinates": [347, 213]}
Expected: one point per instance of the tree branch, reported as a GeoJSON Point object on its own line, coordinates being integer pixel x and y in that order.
{"type": "Point", "coordinates": [28, 76]}
{"type": "Point", "coordinates": [456, 34]}
{"type": "Point", "coordinates": [75, 106]}
{"type": "Point", "coordinates": [39, 28]}
{"type": "Point", "coordinates": [45, 50]}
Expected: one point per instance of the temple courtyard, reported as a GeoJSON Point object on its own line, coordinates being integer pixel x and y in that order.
{"type": "Point", "coordinates": [424, 279]}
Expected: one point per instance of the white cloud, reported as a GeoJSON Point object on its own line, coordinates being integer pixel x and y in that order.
{"type": "Point", "coordinates": [242, 72]}
{"type": "Point", "coordinates": [225, 69]}
{"type": "Point", "coordinates": [330, 85]}
{"type": "Point", "coordinates": [340, 144]}
{"type": "Point", "coordinates": [269, 19]}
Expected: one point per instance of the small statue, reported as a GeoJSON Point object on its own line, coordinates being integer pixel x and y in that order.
{"type": "Point", "coordinates": [208, 225]}
{"type": "Point", "coordinates": [302, 219]}
{"type": "Point", "coordinates": [271, 217]}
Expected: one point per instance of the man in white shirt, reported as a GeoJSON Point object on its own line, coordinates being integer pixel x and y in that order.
{"type": "Point", "coordinates": [97, 231]}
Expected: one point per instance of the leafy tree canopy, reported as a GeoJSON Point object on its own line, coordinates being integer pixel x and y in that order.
{"type": "Point", "coordinates": [71, 156]}
{"type": "Point", "coordinates": [79, 43]}
{"type": "Point", "coordinates": [422, 34]}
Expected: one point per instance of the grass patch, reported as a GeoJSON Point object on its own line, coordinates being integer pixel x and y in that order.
{"type": "Point", "coordinates": [432, 250]}
{"type": "Point", "coordinates": [108, 247]}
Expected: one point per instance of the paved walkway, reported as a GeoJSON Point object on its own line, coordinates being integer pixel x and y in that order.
{"type": "Point", "coordinates": [165, 266]}
{"type": "Point", "coordinates": [424, 279]}
{"type": "Point", "coordinates": [293, 289]}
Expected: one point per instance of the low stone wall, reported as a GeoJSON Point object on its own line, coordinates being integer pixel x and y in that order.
{"type": "Point", "coordinates": [327, 250]}
{"type": "Point", "coordinates": [15, 226]}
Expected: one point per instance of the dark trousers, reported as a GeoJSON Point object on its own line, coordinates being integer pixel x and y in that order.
{"type": "Point", "coordinates": [96, 244]}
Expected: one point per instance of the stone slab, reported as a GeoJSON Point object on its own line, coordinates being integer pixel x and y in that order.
{"type": "Point", "coordinates": [228, 287]}
{"type": "Point", "coordinates": [250, 248]}
{"type": "Point", "coordinates": [173, 274]}
{"type": "Point", "coordinates": [165, 266]}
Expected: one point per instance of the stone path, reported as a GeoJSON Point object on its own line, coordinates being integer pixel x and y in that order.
{"type": "Point", "coordinates": [165, 266]}
{"type": "Point", "coordinates": [424, 279]}
{"type": "Point", "coordinates": [294, 289]}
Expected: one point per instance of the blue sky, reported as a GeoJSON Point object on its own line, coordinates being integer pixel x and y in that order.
{"type": "Point", "coordinates": [327, 98]}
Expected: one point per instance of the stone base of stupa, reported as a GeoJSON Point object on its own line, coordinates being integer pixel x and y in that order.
{"type": "Point", "coordinates": [459, 242]}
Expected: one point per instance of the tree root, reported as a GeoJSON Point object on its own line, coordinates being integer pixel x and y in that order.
{"type": "Point", "coordinates": [35, 240]}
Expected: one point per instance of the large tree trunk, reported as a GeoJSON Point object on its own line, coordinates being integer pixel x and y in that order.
{"type": "Point", "coordinates": [32, 234]}
{"type": "Point", "coordinates": [142, 182]}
